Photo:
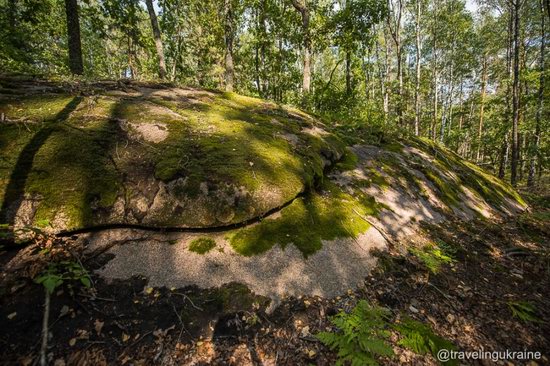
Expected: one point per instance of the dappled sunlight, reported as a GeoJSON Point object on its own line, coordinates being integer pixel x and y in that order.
{"type": "Point", "coordinates": [151, 157]}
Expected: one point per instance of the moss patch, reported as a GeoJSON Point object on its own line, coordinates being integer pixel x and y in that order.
{"type": "Point", "coordinates": [307, 221]}
{"type": "Point", "coordinates": [485, 185]}
{"type": "Point", "coordinates": [202, 245]}
{"type": "Point", "coordinates": [224, 158]}
{"type": "Point", "coordinates": [348, 161]}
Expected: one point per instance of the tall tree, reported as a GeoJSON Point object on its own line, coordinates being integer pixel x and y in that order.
{"type": "Point", "coordinates": [418, 51]}
{"type": "Point", "coordinates": [157, 37]}
{"type": "Point", "coordinates": [302, 7]}
{"type": "Point", "coordinates": [73, 33]}
{"type": "Point", "coordinates": [394, 24]}
{"type": "Point", "coordinates": [540, 101]}
{"type": "Point", "coordinates": [516, 5]}
{"type": "Point", "coordinates": [481, 105]}
{"type": "Point", "coordinates": [229, 35]}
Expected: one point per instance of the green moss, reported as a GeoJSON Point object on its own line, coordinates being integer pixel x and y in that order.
{"type": "Point", "coordinates": [38, 108]}
{"type": "Point", "coordinates": [84, 157]}
{"type": "Point", "coordinates": [65, 164]}
{"type": "Point", "coordinates": [485, 185]}
{"type": "Point", "coordinates": [202, 245]}
{"type": "Point", "coordinates": [348, 161]}
{"type": "Point", "coordinates": [448, 191]}
{"type": "Point", "coordinates": [306, 222]}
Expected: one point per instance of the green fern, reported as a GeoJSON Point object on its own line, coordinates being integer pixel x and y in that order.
{"type": "Point", "coordinates": [361, 335]}
{"type": "Point", "coordinates": [524, 311]}
{"type": "Point", "coordinates": [433, 256]}
{"type": "Point", "coordinates": [420, 339]}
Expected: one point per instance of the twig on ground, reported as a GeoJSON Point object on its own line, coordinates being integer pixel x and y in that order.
{"type": "Point", "coordinates": [187, 298]}
{"type": "Point", "coordinates": [382, 232]}
{"type": "Point", "coordinates": [45, 318]}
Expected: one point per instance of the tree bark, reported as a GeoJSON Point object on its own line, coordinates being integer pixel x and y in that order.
{"type": "Point", "coordinates": [434, 72]}
{"type": "Point", "coordinates": [417, 81]}
{"type": "Point", "coordinates": [302, 8]}
{"type": "Point", "coordinates": [348, 73]}
{"type": "Point", "coordinates": [515, 96]}
{"type": "Point", "coordinates": [503, 157]}
{"type": "Point", "coordinates": [396, 35]}
{"type": "Point", "coordinates": [157, 37]}
{"type": "Point", "coordinates": [386, 77]}
{"type": "Point", "coordinates": [73, 35]}
{"type": "Point", "coordinates": [229, 37]}
{"type": "Point", "coordinates": [482, 106]}
{"type": "Point", "coordinates": [540, 103]}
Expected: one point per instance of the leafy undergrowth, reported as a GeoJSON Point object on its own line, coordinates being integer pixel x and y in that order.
{"type": "Point", "coordinates": [492, 296]}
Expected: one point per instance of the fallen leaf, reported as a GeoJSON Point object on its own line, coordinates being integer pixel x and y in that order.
{"type": "Point", "coordinates": [72, 342]}
{"type": "Point", "coordinates": [98, 326]}
{"type": "Point", "coordinates": [12, 315]}
{"type": "Point", "coordinates": [64, 311]}
{"type": "Point", "coordinates": [125, 337]}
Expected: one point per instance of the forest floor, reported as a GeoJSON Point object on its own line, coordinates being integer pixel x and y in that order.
{"type": "Point", "coordinates": [497, 267]}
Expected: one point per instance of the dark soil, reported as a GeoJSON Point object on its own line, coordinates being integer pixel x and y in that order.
{"type": "Point", "coordinates": [467, 302]}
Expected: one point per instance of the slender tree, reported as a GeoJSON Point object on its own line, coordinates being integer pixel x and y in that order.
{"type": "Point", "coordinates": [418, 50]}
{"type": "Point", "coordinates": [73, 33]}
{"type": "Point", "coordinates": [481, 105]}
{"type": "Point", "coordinates": [229, 35]}
{"type": "Point", "coordinates": [516, 4]}
{"type": "Point", "coordinates": [540, 101]}
{"type": "Point", "coordinates": [302, 7]}
{"type": "Point", "coordinates": [394, 24]}
{"type": "Point", "coordinates": [157, 37]}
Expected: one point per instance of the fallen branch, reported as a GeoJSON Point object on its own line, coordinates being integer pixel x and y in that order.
{"type": "Point", "coordinates": [382, 232]}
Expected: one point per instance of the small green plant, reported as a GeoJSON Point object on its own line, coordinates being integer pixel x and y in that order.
{"type": "Point", "coordinates": [361, 336]}
{"type": "Point", "coordinates": [202, 245]}
{"type": "Point", "coordinates": [433, 256]}
{"type": "Point", "coordinates": [523, 310]}
{"type": "Point", "coordinates": [57, 273]}
{"type": "Point", "coordinates": [420, 338]}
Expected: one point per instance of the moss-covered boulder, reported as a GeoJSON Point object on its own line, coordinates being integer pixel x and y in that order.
{"type": "Point", "coordinates": [152, 155]}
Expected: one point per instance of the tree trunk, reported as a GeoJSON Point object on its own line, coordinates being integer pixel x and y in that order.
{"type": "Point", "coordinates": [417, 81]}
{"type": "Point", "coordinates": [434, 72]}
{"type": "Point", "coordinates": [387, 78]}
{"type": "Point", "coordinates": [540, 103]}
{"type": "Point", "coordinates": [515, 96]}
{"type": "Point", "coordinates": [229, 37]}
{"type": "Point", "coordinates": [503, 157]}
{"type": "Point", "coordinates": [157, 37]}
{"type": "Point", "coordinates": [301, 7]}
{"type": "Point", "coordinates": [396, 35]}
{"type": "Point", "coordinates": [348, 73]}
{"type": "Point", "coordinates": [73, 35]}
{"type": "Point", "coordinates": [482, 106]}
